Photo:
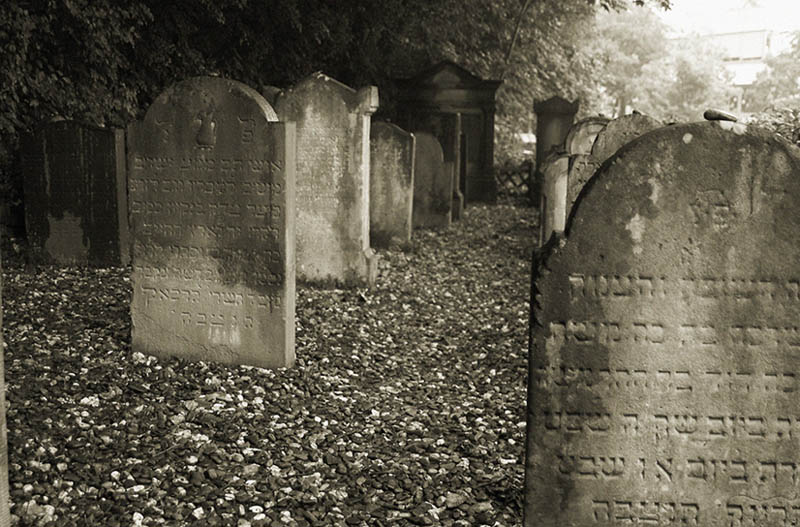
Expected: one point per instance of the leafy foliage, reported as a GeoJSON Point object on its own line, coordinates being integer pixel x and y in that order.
{"type": "Point", "coordinates": [669, 80]}
{"type": "Point", "coordinates": [784, 121]}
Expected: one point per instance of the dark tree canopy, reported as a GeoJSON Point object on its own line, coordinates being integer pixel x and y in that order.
{"type": "Point", "coordinates": [103, 61]}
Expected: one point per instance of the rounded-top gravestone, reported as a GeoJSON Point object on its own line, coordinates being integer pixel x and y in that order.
{"type": "Point", "coordinates": [433, 184]}
{"type": "Point", "coordinates": [333, 127]}
{"type": "Point", "coordinates": [391, 184]}
{"type": "Point", "coordinates": [664, 380]}
{"type": "Point", "coordinates": [211, 192]}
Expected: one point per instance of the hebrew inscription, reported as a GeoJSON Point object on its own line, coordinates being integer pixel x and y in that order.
{"type": "Point", "coordinates": [212, 213]}
{"type": "Point", "coordinates": [665, 342]}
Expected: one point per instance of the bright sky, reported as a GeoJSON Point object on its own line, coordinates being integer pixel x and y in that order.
{"type": "Point", "coordinates": [724, 16]}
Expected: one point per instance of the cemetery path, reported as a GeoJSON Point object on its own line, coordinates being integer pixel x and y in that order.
{"type": "Point", "coordinates": [406, 406]}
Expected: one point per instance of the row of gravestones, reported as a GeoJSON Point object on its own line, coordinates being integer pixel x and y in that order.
{"type": "Point", "coordinates": [213, 187]}
{"type": "Point", "coordinates": [76, 187]}
{"type": "Point", "coordinates": [223, 198]}
{"type": "Point", "coordinates": [664, 360]}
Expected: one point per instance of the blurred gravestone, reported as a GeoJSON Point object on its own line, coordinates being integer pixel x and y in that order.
{"type": "Point", "coordinates": [391, 184]}
{"type": "Point", "coordinates": [75, 200]}
{"type": "Point", "coordinates": [333, 128]}
{"type": "Point", "coordinates": [212, 214]}
{"type": "Point", "coordinates": [581, 135]}
{"type": "Point", "coordinates": [433, 184]}
{"type": "Point", "coordinates": [664, 374]}
{"type": "Point", "coordinates": [554, 195]}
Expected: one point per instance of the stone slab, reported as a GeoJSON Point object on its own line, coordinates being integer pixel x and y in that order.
{"type": "Point", "coordinates": [581, 135]}
{"type": "Point", "coordinates": [212, 212]}
{"type": "Point", "coordinates": [75, 199]}
{"type": "Point", "coordinates": [433, 184]}
{"type": "Point", "coordinates": [664, 380]}
{"type": "Point", "coordinates": [620, 131]}
{"type": "Point", "coordinates": [391, 184]}
{"type": "Point", "coordinates": [333, 129]}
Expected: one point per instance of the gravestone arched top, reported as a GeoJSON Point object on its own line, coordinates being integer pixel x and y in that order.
{"type": "Point", "coordinates": [319, 86]}
{"type": "Point", "coordinates": [202, 97]}
{"type": "Point", "coordinates": [619, 131]}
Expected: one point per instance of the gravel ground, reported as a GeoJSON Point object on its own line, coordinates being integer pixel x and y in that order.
{"type": "Point", "coordinates": [406, 405]}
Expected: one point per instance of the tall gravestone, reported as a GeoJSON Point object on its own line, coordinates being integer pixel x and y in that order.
{"type": "Point", "coordinates": [391, 184]}
{"type": "Point", "coordinates": [333, 129]}
{"type": "Point", "coordinates": [554, 118]}
{"type": "Point", "coordinates": [212, 213]}
{"type": "Point", "coordinates": [433, 184]}
{"type": "Point", "coordinates": [75, 200]}
{"type": "Point", "coordinates": [664, 380]}
{"type": "Point", "coordinates": [447, 101]}
{"type": "Point", "coordinates": [5, 516]}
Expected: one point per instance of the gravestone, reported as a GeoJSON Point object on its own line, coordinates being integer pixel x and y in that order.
{"type": "Point", "coordinates": [664, 366]}
{"type": "Point", "coordinates": [333, 129]}
{"type": "Point", "coordinates": [75, 200]}
{"type": "Point", "coordinates": [212, 214]}
{"type": "Point", "coordinates": [391, 184]}
{"type": "Point", "coordinates": [620, 131]}
{"type": "Point", "coordinates": [611, 138]}
{"type": "Point", "coordinates": [554, 195]}
{"type": "Point", "coordinates": [433, 184]}
{"type": "Point", "coordinates": [582, 134]}
{"type": "Point", "coordinates": [5, 517]}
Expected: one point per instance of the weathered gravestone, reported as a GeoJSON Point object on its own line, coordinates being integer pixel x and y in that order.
{"type": "Point", "coordinates": [665, 339]}
{"type": "Point", "coordinates": [5, 517]}
{"type": "Point", "coordinates": [391, 184]}
{"type": "Point", "coordinates": [611, 138]}
{"type": "Point", "coordinates": [333, 127]}
{"type": "Point", "coordinates": [212, 213]}
{"type": "Point", "coordinates": [433, 184]}
{"type": "Point", "coordinates": [554, 118]}
{"type": "Point", "coordinates": [582, 135]}
{"type": "Point", "coordinates": [75, 200]}
{"type": "Point", "coordinates": [620, 131]}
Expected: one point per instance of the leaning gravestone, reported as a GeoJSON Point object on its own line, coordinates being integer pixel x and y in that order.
{"type": "Point", "coordinates": [333, 128]}
{"type": "Point", "coordinates": [433, 184]}
{"type": "Point", "coordinates": [581, 135]}
{"type": "Point", "coordinates": [391, 184]}
{"type": "Point", "coordinates": [212, 212]}
{"type": "Point", "coordinates": [664, 366]}
{"type": "Point", "coordinates": [75, 199]}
